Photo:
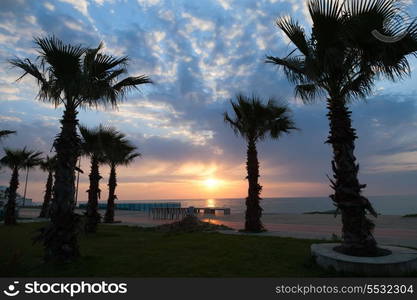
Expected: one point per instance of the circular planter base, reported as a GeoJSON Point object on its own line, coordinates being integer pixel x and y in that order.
{"type": "Point", "coordinates": [400, 262]}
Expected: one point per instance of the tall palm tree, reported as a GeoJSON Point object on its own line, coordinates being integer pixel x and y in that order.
{"type": "Point", "coordinates": [93, 147]}
{"type": "Point", "coordinates": [72, 76]}
{"type": "Point", "coordinates": [255, 121]}
{"type": "Point", "coordinates": [118, 151]}
{"type": "Point", "coordinates": [47, 165]}
{"type": "Point", "coordinates": [341, 61]}
{"type": "Point", "coordinates": [16, 159]}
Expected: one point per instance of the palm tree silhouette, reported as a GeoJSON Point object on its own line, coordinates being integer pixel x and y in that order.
{"type": "Point", "coordinates": [16, 159]}
{"type": "Point", "coordinates": [341, 60]}
{"type": "Point", "coordinates": [47, 165]}
{"type": "Point", "coordinates": [255, 121]}
{"type": "Point", "coordinates": [93, 147]}
{"type": "Point", "coordinates": [72, 76]}
{"type": "Point", "coordinates": [118, 151]}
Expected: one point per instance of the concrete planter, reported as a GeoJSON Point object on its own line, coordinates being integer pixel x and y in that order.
{"type": "Point", "coordinates": [400, 262]}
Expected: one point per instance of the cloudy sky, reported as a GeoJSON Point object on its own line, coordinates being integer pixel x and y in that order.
{"type": "Point", "coordinates": [200, 54]}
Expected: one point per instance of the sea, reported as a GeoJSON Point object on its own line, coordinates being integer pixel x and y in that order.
{"type": "Point", "coordinates": [385, 205]}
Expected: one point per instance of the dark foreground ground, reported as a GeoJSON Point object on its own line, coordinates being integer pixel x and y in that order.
{"type": "Point", "coordinates": [122, 251]}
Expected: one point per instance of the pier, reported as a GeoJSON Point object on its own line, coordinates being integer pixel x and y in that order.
{"type": "Point", "coordinates": [174, 213]}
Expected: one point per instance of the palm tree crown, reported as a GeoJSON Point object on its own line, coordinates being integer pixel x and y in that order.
{"type": "Point", "coordinates": [342, 57]}
{"type": "Point", "coordinates": [118, 150]}
{"type": "Point", "coordinates": [20, 158]}
{"type": "Point", "coordinates": [78, 76]}
{"type": "Point", "coordinates": [48, 164]}
{"type": "Point", "coordinates": [255, 120]}
{"type": "Point", "coordinates": [92, 141]}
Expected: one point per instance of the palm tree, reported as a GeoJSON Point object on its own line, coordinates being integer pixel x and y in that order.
{"type": "Point", "coordinates": [16, 159]}
{"type": "Point", "coordinates": [341, 60]}
{"type": "Point", "coordinates": [74, 77]}
{"type": "Point", "coordinates": [47, 165]}
{"type": "Point", "coordinates": [255, 121]}
{"type": "Point", "coordinates": [93, 147]}
{"type": "Point", "coordinates": [118, 151]}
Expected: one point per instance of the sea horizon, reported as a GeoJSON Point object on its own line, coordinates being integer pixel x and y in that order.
{"type": "Point", "coordinates": [403, 204]}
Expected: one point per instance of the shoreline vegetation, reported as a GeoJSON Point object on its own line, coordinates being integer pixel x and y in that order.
{"type": "Point", "coordinates": [410, 216]}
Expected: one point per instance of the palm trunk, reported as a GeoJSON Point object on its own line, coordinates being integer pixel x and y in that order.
{"type": "Point", "coordinates": [357, 228]}
{"type": "Point", "coordinates": [60, 236]}
{"type": "Point", "coordinates": [109, 217]}
{"type": "Point", "coordinates": [78, 181]}
{"type": "Point", "coordinates": [253, 209]}
{"type": "Point", "coordinates": [47, 197]}
{"type": "Point", "coordinates": [10, 209]}
{"type": "Point", "coordinates": [26, 186]}
{"type": "Point", "coordinates": [93, 217]}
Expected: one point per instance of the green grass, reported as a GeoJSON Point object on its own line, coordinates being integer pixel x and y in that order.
{"type": "Point", "coordinates": [119, 251]}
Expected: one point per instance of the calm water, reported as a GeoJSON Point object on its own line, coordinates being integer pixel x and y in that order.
{"type": "Point", "coordinates": [387, 205]}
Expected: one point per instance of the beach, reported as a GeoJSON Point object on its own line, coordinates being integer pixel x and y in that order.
{"type": "Point", "coordinates": [390, 229]}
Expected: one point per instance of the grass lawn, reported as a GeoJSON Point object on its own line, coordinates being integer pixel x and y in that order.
{"type": "Point", "coordinates": [121, 251]}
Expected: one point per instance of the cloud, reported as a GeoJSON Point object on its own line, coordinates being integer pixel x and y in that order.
{"type": "Point", "coordinates": [200, 54]}
{"type": "Point", "coordinates": [10, 119]}
{"type": "Point", "coordinates": [80, 5]}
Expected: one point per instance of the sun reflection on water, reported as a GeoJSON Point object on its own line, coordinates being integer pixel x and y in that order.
{"type": "Point", "coordinates": [211, 203]}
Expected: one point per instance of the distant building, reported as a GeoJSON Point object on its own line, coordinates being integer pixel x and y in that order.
{"type": "Point", "coordinates": [19, 199]}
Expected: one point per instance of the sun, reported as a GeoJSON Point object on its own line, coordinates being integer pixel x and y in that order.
{"type": "Point", "coordinates": [211, 183]}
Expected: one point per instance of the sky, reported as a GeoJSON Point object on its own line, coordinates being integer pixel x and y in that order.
{"type": "Point", "coordinates": [200, 55]}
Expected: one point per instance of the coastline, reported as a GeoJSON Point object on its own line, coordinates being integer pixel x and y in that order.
{"type": "Point", "coordinates": [390, 229]}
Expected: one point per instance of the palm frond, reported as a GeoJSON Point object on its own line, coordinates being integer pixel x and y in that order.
{"type": "Point", "coordinates": [29, 68]}
{"type": "Point", "coordinates": [64, 59]}
{"type": "Point", "coordinates": [4, 133]}
{"type": "Point", "coordinates": [131, 82]}
{"type": "Point", "coordinates": [20, 158]}
{"type": "Point", "coordinates": [295, 33]}
{"type": "Point", "coordinates": [293, 67]}
{"type": "Point", "coordinates": [92, 144]}
{"type": "Point", "coordinates": [118, 150]}
{"type": "Point", "coordinates": [308, 92]}
{"type": "Point", "coordinates": [48, 164]}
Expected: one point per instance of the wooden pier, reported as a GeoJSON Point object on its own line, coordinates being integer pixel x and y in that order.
{"type": "Point", "coordinates": [175, 213]}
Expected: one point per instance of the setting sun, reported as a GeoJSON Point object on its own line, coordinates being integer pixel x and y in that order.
{"type": "Point", "coordinates": [211, 183]}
